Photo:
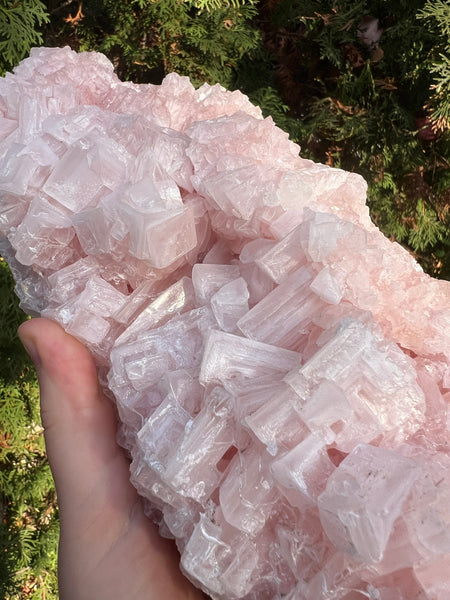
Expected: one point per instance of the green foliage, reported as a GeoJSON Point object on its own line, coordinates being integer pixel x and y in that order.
{"type": "Point", "coordinates": [436, 15]}
{"type": "Point", "coordinates": [203, 39]}
{"type": "Point", "coordinates": [28, 513]}
{"type": "Point", "coordinates": [19, 23]}
{"type": "Point", "coordinates": [217, 4]}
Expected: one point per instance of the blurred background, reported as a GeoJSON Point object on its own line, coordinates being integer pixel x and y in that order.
{"type": "Point", "coordinates": [363, 85]}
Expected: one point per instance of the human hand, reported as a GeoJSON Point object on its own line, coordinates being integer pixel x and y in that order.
{"type": "Point", "coordinates": [108, 548]}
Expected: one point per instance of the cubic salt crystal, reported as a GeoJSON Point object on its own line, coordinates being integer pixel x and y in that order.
{"type": "Point", "coordinates": [93, 229]}
{"type": "Point", "coordinates": [136, 300]}
{"type": "Point", "coordinates": [222, 189]}
{"type": "Point", "coordinates": [101, 297]}
{"type": "Point", "coordinates": [208, 548]}
{"type": "Point", "coordinates": [150, 226]}
{"type": "Point", "coordinates": [303, 471]}
{"type": "Point", "coordinates": [149, 484]}
{"type": "Point", "coordinates": [50, 236]}
{"type": "Point", "coordinates": [169, 421]}
{"type": "Point", "coordinates": [89, 326]}
{"type": "Point", "coordinates": [326, 406]}
{"type": "Point", "coordinates": [71, 280]}
{"type": "Point", "coordinates": [320, 241]}
{"type": "Point", "coordinates": [327, 286]}
{"type": "Point", "coordinates": [81, 188]}
{"type": "Point", "coordinates": [230, 303]}
{"type": "Point", "coordinates": [209, 278]}
{"type": "Point", "coordinates": [280, 318]}
{"type": "Point", "coordinates": [237, 363]}
{"type": "Point", "coordinates": [207, 439]}
{"type": "Point", "coordinates": [284, 257]}
{"type": "Point", "coordinates": [362, 501]}
{"type": "Point", "coordinates": [303, 543]}
{"type": "Point", "coordinates": [178, 344]}
{"type": "Point", "coordinates": [258, 283]}
{"type": "Point", "coordinates": [16, 170]}
{"type": "Point", "coordinates": [427, 513]}
{"type": "Point", "coordinates": [382, 398]}
{"type": "Point", "coordinates": [280, 368]}
{"type": "Point", "coordinates": [180, 520]}
{"type": "Point", "coordinates": [338, 578]}
{"type": "Point", "coordinates": [175, 300]}
{"type": "Point", "coordinates": [247, 493]}
{"type": "Point", "coordinates": [400, 553]}
{"type": "Point", "coordinates": [135, 407]}
{"type": "Point", "coordinates": [275, 422]}
{"type": "Point", "coordinates": [185, 388]}
{"type": "Point", "coordinates": [14, 209]}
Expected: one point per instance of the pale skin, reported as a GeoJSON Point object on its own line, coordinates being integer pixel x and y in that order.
{"type": "Point", "coordinates": [108, 549]}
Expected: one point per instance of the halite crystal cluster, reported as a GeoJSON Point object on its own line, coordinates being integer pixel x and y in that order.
{"type": "Point", "coordinates": [281, 369]}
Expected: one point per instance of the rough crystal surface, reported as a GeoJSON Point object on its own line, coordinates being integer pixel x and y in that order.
{"type": "Point", "coordinates": [280, 369]}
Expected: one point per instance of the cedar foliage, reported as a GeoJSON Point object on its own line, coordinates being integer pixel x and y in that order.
{"type": "Point", "coordinates": [29, 518]}
{"type": "Point", "coordinates": [19, 29]}
{"type": "Point", "coordinates": [362, 85]}
{"type": "Point", "coordinates": [203, 39]}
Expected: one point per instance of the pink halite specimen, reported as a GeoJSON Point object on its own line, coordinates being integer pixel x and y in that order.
{"type": "Point", "coordinates": [281, 370]}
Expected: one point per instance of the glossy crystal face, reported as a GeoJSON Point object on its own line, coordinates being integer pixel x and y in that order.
{"type": "Point", "coordinates": [280, 368]}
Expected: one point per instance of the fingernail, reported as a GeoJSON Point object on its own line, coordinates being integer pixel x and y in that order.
{"type": "Point", "coordinates": [30, 347]}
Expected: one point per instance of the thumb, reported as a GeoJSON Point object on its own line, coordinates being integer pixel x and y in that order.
{"type": "Point", "coordinates": [79, 422]}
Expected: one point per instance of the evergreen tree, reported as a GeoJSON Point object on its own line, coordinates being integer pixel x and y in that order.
{"type": "Point", "coordinates": [436, 15]}
{"type": "Point", "coordinates": [19, 30]}
{"type": "Point", "coordinates": [203, 39]}
{"type": "Point", "coordinates": [29, 517]}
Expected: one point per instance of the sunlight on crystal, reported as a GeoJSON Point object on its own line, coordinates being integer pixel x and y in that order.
{"type": "Point", "coordinates": [280, 369]}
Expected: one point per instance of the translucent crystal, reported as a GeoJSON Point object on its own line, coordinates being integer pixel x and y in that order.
{"type": "Point", "coordinates": [362, 500]}
{"type": "Point", "coordinates": [247, 493]}
{"type": "Point", "coordinates": [209, 278]}
{"type": "Point", "coordinates": [230, 303]}
{"type": "Point", "coordinates": [281, 370]}
{"type": "Point", "coordinates": [81, 188]}
{"type": "Point", "coordinates": [209, 547]}
{"type": "Point", "coordinates": [303, 471]}
{"type": "Point", "coordinates": [280, 318]}
{"type": "Point", "coordinates": [207, 439]}
{"type": "Point", "coordinates": [237, 362]}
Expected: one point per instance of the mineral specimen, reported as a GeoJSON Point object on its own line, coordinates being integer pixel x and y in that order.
{"type": "Point", "coordinates": [280, 369]}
